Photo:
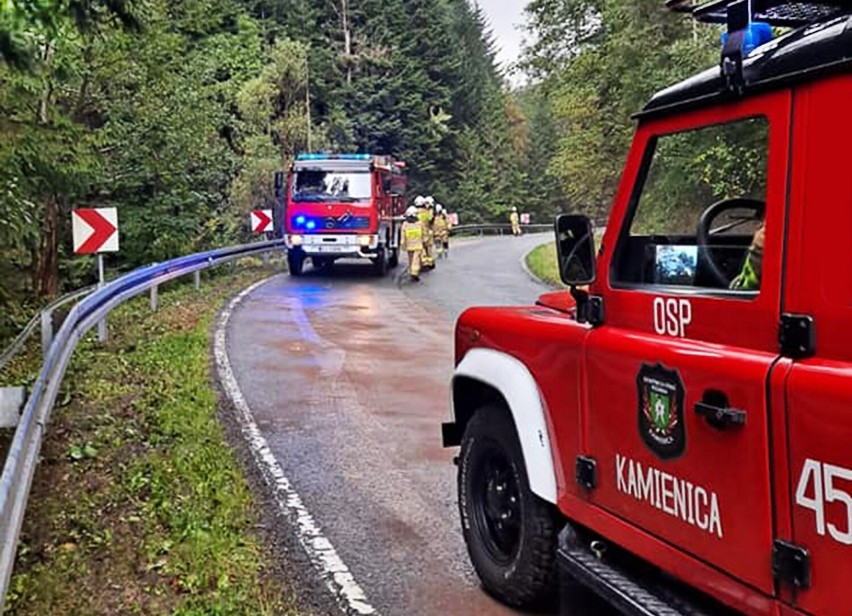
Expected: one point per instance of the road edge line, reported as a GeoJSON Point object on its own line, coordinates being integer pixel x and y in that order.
{"type": "Point", "coordinates": [333, 571]}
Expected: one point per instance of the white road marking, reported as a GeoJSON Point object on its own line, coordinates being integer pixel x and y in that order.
{"type": "Point", "coordinates": [334, 572]}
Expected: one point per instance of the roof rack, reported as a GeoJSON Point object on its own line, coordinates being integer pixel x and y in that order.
{"type": "Point", "coordinates": [749, 25]}
{"type": "Point", "coordinates": [782, 13]}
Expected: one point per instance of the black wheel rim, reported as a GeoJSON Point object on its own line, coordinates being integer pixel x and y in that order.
{"type": "Point", "coordinates": [497, 505]}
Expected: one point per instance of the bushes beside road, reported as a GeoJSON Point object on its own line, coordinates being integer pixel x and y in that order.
{"type": "Point", "coordinates": [139, 505]}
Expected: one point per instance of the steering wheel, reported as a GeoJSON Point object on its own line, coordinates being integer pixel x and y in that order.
{"type": "Point", "coordinates": [705, 230]}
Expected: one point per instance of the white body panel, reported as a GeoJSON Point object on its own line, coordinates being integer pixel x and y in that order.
{"type": "Point", "coordinates": [513, 380]}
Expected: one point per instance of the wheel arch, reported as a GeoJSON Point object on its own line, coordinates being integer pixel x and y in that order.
{"type": "Point", "coordinates": [486, 376]}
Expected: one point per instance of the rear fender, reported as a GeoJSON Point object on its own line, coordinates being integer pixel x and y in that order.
{"type": "Point", "coordinates": [486, 375]}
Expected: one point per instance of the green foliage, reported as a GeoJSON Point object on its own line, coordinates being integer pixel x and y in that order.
{"type": "Point", "coordinates": [179, 112]}
{"type": "Point", "coordinates": [140, 505]}
{"type": "Point", "coordinates": [543, 264]}
{"type": "Point", "coordinates": [598, 62]}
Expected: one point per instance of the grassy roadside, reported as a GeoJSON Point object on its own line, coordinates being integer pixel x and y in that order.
{"type": "Point", "coordinates": [542, 263]}
{"type": "Point", "coordinates": [139, 506]}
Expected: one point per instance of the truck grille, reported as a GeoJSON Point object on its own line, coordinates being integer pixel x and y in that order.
{"type": "Point", "coordinates": [332, 223]}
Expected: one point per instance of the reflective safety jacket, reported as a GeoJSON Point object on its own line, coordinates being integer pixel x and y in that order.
{"type": "Point", "coordinates": [412, 236]}
{"type": "Point", "coordinates": [425, 216]}
{"type": "Point", "coordinates": [749, 277]}
{"type": "Point", "coordinates": [441, 226]}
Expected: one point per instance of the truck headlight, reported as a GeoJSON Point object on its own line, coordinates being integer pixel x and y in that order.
{"type": "Point", "coordinates": [365, 240]}
{"type": "Point", "coordinates": [296, 240]}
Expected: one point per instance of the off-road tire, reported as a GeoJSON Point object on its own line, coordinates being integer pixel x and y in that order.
{"type": "Point", "coordinates": [295, 263]}
{"type": "Point", "coordinates": [527, 578]}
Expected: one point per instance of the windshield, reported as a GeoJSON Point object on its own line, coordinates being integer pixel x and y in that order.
{"type": "Point", "coordinates": [318, 185]}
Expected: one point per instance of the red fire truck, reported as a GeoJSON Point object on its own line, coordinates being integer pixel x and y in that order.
{"type": "Point", "coordinates": [342, 206]}
{"type": "Point", "coordinates": [674, 432]}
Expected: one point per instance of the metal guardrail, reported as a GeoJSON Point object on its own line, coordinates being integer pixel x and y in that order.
{"type": "Point", "coordinates": [45, 318]}
{"type": "Point", "coordinates": [498, 228]}
{"type": "Point", "coordinates": [23, 453]}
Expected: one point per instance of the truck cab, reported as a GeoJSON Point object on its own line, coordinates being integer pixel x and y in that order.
{"type": "Point", "coordinates": [338, 206]}
{"type": "Point", "coordinates": [672, 431]}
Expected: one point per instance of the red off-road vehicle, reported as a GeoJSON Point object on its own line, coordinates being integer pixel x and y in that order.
{"type": "Point", "coordinates": [663, 434]}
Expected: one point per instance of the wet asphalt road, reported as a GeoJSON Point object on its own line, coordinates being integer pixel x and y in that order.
{"type": "Point", "coordinates": [348, 379]}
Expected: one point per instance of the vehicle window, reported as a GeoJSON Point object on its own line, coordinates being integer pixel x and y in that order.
{"type": "Point", "coordinates": [318, 185]}
{"type": "Point", "coordinates": [698, 210]}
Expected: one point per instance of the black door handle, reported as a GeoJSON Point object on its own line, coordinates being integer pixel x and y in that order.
{"type": "Point", "coordinates": [717, 413]}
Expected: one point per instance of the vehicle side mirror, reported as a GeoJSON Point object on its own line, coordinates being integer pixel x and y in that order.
{"type": "Point", "coordinates": [575, 248]}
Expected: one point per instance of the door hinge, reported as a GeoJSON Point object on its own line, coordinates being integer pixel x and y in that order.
{"type": "Point", "coordinates": [590, 309]}
{"type": "Point", "coordinates": [797, 336]}
{"type": "Point", "coordinates": [791, 564]}
{"type": "Point", "coordinates": [587, 472]}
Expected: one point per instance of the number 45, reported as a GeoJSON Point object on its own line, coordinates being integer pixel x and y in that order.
{"type": "Point", "coordinates": [822, 476]}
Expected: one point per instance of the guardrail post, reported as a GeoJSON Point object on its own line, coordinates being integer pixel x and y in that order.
{"type": "Point", "coordinates": [12, 400]}
{"type": "Point", "coordinates": [154, 298]}
{"type": "Point", "coordinates": [102, 324]}
{"type": "Point", "coordinates": [265, 257]}
{"type": "Point", "coordinates": [197, 279]}
{"type": "Point", "coordinates": [46, 331]}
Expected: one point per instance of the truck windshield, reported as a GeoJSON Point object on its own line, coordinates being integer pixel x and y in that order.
{"type": "Point", "coordinates": [319, 185]}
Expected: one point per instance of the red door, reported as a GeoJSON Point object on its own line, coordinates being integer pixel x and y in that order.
{"type": "Point", "coordinates": [819, 388]}
{"type": "Point", "coordinates": [677, 407]}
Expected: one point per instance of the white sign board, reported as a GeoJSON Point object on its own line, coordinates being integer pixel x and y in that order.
{"type": "Point", "coordinates": [261, 221]}
{"type": "Point", "coordinates": [95, 230]}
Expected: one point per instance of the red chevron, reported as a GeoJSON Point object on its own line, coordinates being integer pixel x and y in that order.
{"type": "Point", "coordinates": [263, 221]}
{"type": "Point", "coordinates": [102, 230]}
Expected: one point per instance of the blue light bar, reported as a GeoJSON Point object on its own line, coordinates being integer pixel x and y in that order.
{"type": "Point", "coordinates": [311, 225]}
{"type": "Point", "coordinates": [300, 220]}
{"type": "Point", "coordinates": [756, 34]}
{"type": "Point", "coordinates": [321, 156]}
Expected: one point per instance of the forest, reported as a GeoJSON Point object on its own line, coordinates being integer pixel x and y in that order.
{"type": "Point", "coordinates": [178, 112]}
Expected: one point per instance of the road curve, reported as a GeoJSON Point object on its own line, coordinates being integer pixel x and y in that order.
{"type": "Point", "coordinates": [347, 378]}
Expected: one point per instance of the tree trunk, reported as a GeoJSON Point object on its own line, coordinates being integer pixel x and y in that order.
{"type": "Point", "coordinates": [347, 40]}
{"type": "Point", "coordinates": [47, 269]}
{"type": "Point", "coordinates": [46, 279]}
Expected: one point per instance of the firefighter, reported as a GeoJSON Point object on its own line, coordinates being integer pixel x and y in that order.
{"type": "Point", "coordinates": [441, 226]}
{"type": "Point", "coordinates": [516, 222]}
{"type": "Point", "coordinates": [426, 215]}
{"type": "Point", "coordinates": [412, 241]}
{"type": "Point", "coordinates": [749, 277]}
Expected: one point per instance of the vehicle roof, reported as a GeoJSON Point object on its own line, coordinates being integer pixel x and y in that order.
{"type": "Point", "coordinates": [335, 163]}
{"type": "Point", "coordinates": [803, 54]}
{"type": "Point", "coordinates": [331, 164]}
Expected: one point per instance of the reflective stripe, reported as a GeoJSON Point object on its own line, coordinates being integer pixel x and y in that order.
{"type": "Point", "coordinates": [414, 234]}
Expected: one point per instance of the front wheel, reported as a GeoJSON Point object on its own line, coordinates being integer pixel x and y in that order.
{"type": "Point", "coordinates": [295, 263]}
{"type": "Point", "coordinates": [511, 534]}
{"type": "Point", "coordinates": [380, 263]}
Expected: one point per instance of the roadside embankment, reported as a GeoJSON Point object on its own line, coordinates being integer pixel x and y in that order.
{"type": "Point", "coordinates": [541, 262]}
{"type": "Point", "coordinates": [139, 505]}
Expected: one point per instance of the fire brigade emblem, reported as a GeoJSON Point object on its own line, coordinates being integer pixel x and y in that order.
{"type": "Point", "coordinates": [661, 420]}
